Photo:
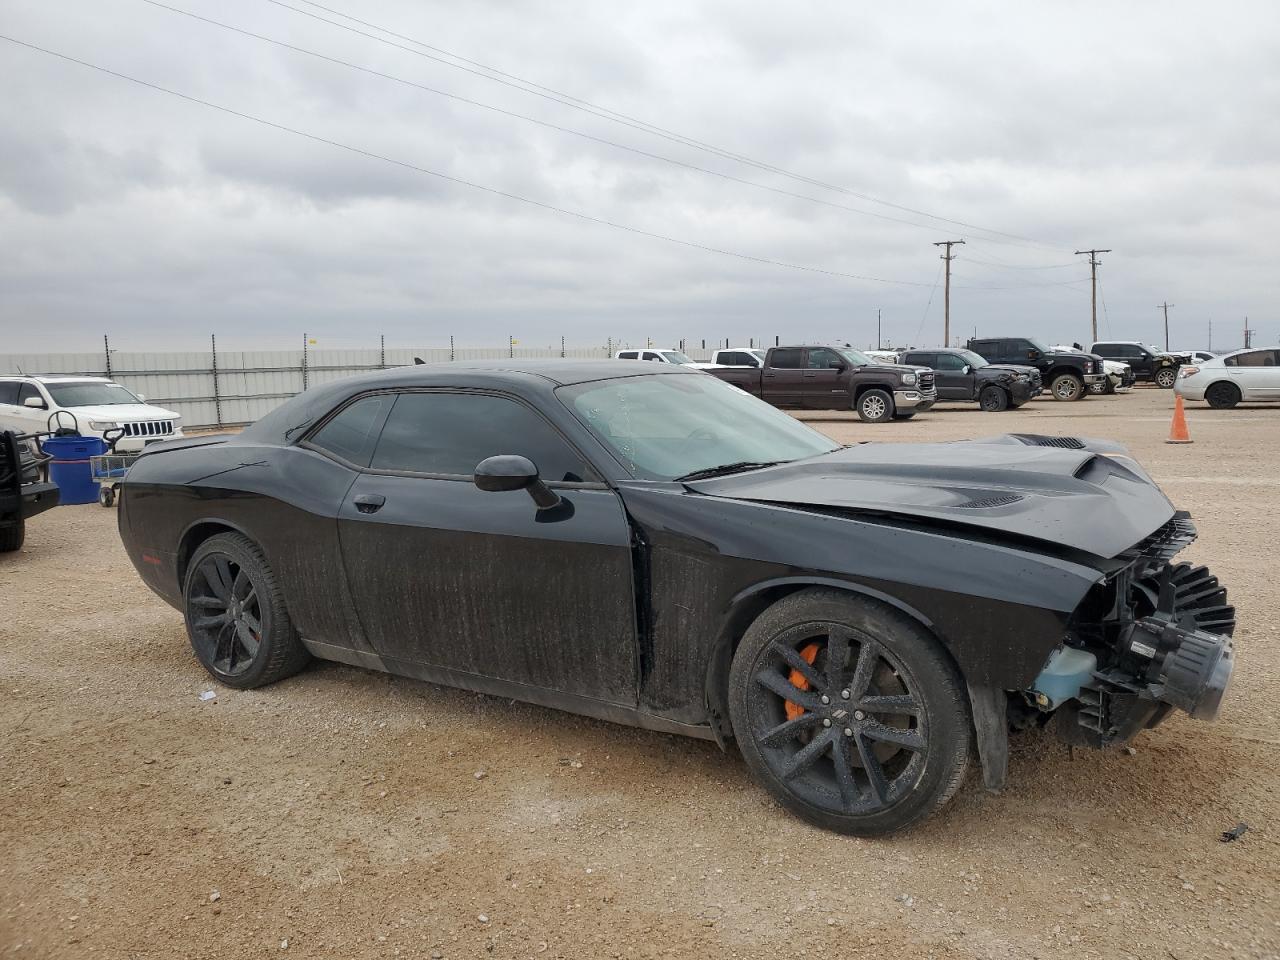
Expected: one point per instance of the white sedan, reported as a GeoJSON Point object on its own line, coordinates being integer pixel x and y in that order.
{"type": "Point", "coordinates": [1224, 381]}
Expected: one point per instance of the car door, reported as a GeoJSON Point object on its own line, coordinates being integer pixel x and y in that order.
{"type": "Point", "coordinates": [824, 385]}
{"type": "Point", "coordinates": [471, 583]}
{"type": "Point", "coordinates": [782, 380]}
{"type": "Point", "coordinates": [1256, 374]}
{"type": "Point", "coordinates": [949, 374]}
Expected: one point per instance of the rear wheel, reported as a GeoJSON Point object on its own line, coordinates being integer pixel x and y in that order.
{"type": "Point", "coordinates": [1166, 377]}
{"type": "Point", "coordinates": [106, 496]}
{"type": "Point", "coordinates": [849, 713]}
{"type": "Point", "coordinates": [992, 399]}
{"type": "Point", "coordinates": [1067, 386]}
{"type": "Point", "coordinates": [1222, 396]}
{"type": "Point", "coordinates": [875, 406]}
{"type": "Point", "coordinates": [236, 618]}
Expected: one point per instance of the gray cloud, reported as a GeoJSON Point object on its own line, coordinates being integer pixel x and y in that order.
{"type": "Point", "coordinates": [158, 221]}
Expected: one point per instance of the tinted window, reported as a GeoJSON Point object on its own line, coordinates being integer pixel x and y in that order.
{"type": "Point", "coordinates": [787, 359]}
{"type": "Point", "coordinates": [627, 355]}
{"type": "Point", "coordinates": [918, 359]}
{"type": "Point", "coordinates": [736, 359]}
{"type": "Point", "coordinates": [653, 356]}
{"type": "Point", "coordinates": [352, 433]}
{"type": "Point", "coordinates": [1258, 358]}
{"type": "Point", "coordinates": [449, 433]}
{"type": "Point", "coordinates": [8, 391]}
{"type": "Point", "coordinates": [28, 390]}
{"type": "Point", "coordinates": [948, 361]}
{"type": "Point", "coordinates": [823, 359]}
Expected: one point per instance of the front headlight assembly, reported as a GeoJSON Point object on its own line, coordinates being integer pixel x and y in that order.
{"type": "Point", "coordinates": [103, 425]}
{"type": "Point", "coordinates": [909, 379]}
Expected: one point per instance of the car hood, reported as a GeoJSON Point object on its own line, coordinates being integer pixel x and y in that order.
{"type": "Point", "coordinates": [1093, 497]}
{"type": "Point", "coordinates": [123, 412]}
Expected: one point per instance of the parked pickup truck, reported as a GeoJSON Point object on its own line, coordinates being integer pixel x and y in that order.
{"type": "Point", "coordinates": [1069, 375]}
{"type": "Point", "coordinates": [25, 488]}
{"type": "Point", "coordinates": [1148, 363]}
{"type": "Point", "coordinates": [963, 375]}
{"type": "Point", "coordinates": [836, 378]}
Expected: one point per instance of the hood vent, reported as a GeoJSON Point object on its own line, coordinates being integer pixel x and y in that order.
{"type": "Point", "coordinates": [1000, 500]}
{"type": "Point", "coordinates": [1037, 440]}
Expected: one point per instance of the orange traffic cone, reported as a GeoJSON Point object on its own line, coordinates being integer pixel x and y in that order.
{"type": "Point", "coordinates": [1178, 432]}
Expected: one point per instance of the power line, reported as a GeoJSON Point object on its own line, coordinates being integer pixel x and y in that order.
{"type": "Point", "coordinates": [547, 93]}
{"type": "Point", "coordinates": [1007, 266]}
{"type": "Point", "coordinates": [452, 179]}
{"type": "Point", "coordinates": [542, 123]}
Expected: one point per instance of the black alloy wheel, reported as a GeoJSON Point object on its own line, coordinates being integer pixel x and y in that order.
{"type": "Point", "coordinates": [1222, 396]}
{"type": "Point", "coordinates": [993, 399]}
{"type": "Point", "coordinates": [849, 713]}
{"type": "Point", "coordinates": [237, 622]}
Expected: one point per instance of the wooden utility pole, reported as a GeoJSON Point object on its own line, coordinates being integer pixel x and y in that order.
{"type": "Point", "coordinates": [946, 296]}
{"type": "Point", "coordinates": [1093, 274]}
{"type": "Point", "coordinates": [877, 328]}
{"type": "Point", "coordinates": [1165, 307]}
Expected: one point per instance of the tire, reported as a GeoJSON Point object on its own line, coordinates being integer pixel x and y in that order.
{"type": "Point", "coordinates": [106, 496]}
{"type": "Point", "coordinates": [230, 568]}
{"type": "Point", "coordinates": [12, 533]}
{"type": "Point", "coordinates": [875, 406]}
{"type": "Point", "coordinates": [1067, 387]}
{"type": "Point", "coordinates": [1222, 395]}
{"type": "Point", "coordinates": [1166, 377]}
{"type": "Point", "coordinates": [818, 770]}
{"type": "Point", "coordinates": [992, 399]}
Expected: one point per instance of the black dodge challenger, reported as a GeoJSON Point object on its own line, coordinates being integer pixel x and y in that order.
{"type": "Point", "coordinates": [650, 545]}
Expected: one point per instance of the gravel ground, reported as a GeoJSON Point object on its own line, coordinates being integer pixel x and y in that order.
{"type": "Point", "coordinates": [344, 813]}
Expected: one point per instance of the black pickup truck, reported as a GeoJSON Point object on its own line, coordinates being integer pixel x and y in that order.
{"type": "Point", "coordinates": [1068, 374]}
{"type": "Point", "coordinates": [836, 378]}
{"type": "Point", "coordinates": [25, 488]}
{"type": "Point", "coordinates": [963, 375]}
{"type": "Point", "coordinates": [1147, 364]}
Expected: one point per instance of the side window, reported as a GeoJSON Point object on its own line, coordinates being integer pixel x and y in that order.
{"type": "Point", "coordinates": [948, 361]}
{"type": "Point", "coordinates": [787, 358]}
{"type": "Point", "coordinates": [28, 390]}
{"type": "Point", "coordinates": [648, 355]}
{"type": "Point", "coordinates": [351, 433]}
{"type": "Point", "coordinates": [449, 433]}
{"type": "Point", "coordinates": [1258, 358]}
{"type": "Point", "coordinates": [983, 348]}
{"type": "Point", "coordinates": [627, 355]}
{"type": "Point", "coordinates": [8, 391]}
{"type": "Point", "coordinates": [737, 360]}
{"type": "Point", "coordinates": [822, 359]}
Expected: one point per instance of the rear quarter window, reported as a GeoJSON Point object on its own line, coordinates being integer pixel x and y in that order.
{"type": "Point", "coordinates": [9, 391]}
{"type": "Point", "coordinates": [352, 432]}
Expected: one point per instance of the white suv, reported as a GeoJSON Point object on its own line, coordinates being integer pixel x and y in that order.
{"type": "Point", "coordinates": [98, 405]}
{"type": "Point", "coordinates": [1225, 381]}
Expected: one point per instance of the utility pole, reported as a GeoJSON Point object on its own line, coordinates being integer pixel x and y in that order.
{"type": "Point", "coordinates": [877, 328]}
{"type": "Point", "coordinates": [1248, 334]}
{"type": "Point", "coordinates": [946, 297]}
{"type": "Point", "coordinates": [1165, 307]}
{"type": "Point", "coordinates": [1093, 273]}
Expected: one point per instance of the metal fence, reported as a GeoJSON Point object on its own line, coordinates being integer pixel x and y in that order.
{"type": "Point", "coordinates": [216, 388]}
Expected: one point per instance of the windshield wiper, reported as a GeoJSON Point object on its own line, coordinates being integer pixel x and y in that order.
{"type": "Point", "coordinates": [727, 468]}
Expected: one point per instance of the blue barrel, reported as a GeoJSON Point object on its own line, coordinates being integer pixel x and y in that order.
{"type": "Point", "coordinates": [69, 468]}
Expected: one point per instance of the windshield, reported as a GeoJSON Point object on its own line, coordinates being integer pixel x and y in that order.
{"type": "Point", "coordinates": [89, 394]}
{"type": "Point", "coordinates": [758, 354]}
{"type": "Point", "coordinates": [1038, 344]}
{"type": "Point", "coordinates": [663, 427]}
{"type": "Point", "coordinates": [855, 357]}
{"type": "Point", "coordinates": [972, 359]}
{"type": "Point", "coordinates": [675, 356]}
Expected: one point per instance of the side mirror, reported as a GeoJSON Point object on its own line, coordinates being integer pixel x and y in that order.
{"type": "Point", "coordinates": [966, 369]}
{"type": "Point", "coordinates": [1033, 354]}
{"type": "Point", "coordinates": [142, 397]}
{"type": "Point", "coordinates": [35, 403]}
{"type": "Point", "coordinates": [836, 365]}
{"type": "Point", "coordinates": [505, 473]}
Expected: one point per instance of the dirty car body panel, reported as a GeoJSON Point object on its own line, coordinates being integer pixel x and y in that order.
{"type": "Point", "coordinates": [626, 598]}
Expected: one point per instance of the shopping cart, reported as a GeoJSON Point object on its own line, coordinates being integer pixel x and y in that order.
{"type": "Point", "coordinates": [109, 468]}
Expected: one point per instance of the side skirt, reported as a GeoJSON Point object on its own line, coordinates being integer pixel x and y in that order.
{"type": "Point", "coordinates": [568, 702]}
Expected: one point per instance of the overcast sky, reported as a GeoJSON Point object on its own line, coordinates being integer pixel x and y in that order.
{"type": "Point", "coordinates": [1149, 128]}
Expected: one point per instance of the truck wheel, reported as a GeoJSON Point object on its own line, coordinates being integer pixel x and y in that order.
{"type": "Point", "coordinates": [106, 496]}
{"type": "Point", "coordinates": [992, 399]}
{"type": "Point", "coordinates": [12, 533]}
{"type": "Point", "coordinates": [1166, 377]}
{"type": "Point", "coordinates": [875, 406]}
{"type": "Point", "coordinates": [1067, 386]}
{"type": "Point", "coordinates": [849, 712]}
{"type": "Point", "coordinates": [1222, 396]}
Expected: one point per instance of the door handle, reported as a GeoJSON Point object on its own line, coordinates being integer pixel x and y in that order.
{"type": "Point", "coordinates": [809, 376]}
{"type": "Point", "coordinates": [369, 502]}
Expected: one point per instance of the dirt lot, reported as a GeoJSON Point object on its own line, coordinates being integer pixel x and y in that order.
{"type": "Point", "coordinates": [348, 814]}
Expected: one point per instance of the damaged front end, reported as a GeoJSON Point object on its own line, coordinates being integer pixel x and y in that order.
{"type": "Point", "coordinates": [1154, 636]}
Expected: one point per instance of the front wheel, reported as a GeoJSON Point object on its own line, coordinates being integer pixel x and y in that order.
{"type": "Point", "coordinates": [992, 399]}
{"type": "Point", "coordinates": [1166, 378]}
{"type": "Point", "coordinates": [1222, 396]}
{"type": "Point", "coordinates": [12, 533]}
{"type": "Point", "coordinates": [849, 713]}
{"type": "Point", "coordinates": [875, 406]}
{"type": "Point", "coordinates": [1067, 386]}
{"type": "Point", "coordinates": [237, 622]}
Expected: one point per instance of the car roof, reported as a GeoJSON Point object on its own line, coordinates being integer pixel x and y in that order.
{"type": "Point", "coordinates": [514, 372]}
{"type": "Point", "coordinates": [54, 378]}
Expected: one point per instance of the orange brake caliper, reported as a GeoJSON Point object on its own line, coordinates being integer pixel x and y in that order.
{"type": "Point", "coordinates": [810, 654]}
